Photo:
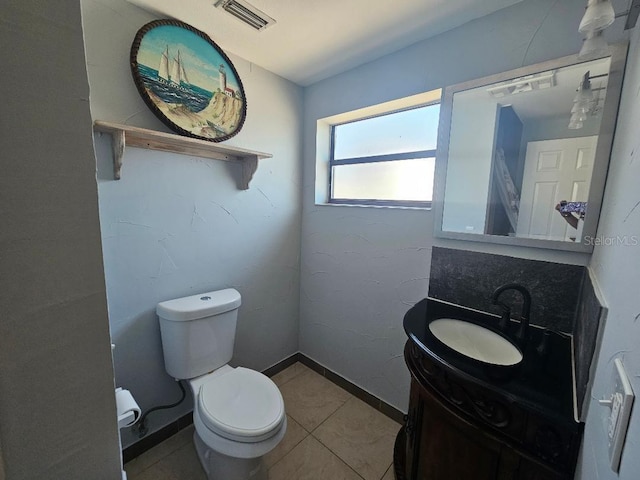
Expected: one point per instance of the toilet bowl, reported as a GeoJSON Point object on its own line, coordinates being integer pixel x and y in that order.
{"type": "Point", "coordinates": [239, 417]}
{"type": "Point", "coordinates": [238, 413]}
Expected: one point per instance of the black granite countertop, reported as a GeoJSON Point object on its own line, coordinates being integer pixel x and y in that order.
{"type": "Point", "coordinates": [543, 383]}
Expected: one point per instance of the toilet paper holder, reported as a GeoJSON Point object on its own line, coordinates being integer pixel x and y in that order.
{"type": "Point", "coordinates": [127, 408]}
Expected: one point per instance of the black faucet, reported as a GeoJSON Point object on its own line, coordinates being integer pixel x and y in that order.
{"type": "Point", "coordinates": [521, 334]}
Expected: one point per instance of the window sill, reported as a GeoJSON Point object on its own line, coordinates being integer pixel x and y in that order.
{"type": "Point", "coordinates": [359, 205]}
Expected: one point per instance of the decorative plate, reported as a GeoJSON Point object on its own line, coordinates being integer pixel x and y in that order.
{"type": "Point", "coordinates": [187, 81]}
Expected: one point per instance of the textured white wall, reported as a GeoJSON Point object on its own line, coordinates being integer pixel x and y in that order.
{"type": "Point", "coordinates": [57, 401]}
{"type": "Point", "coordinates": [617, 270]}
{"type": "Point", "coordinates": [362, 268]}
{"type": "Point", "coordinates": [177, 225]}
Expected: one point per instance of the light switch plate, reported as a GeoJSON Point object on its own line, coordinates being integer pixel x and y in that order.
{"type": "Point", "coordinates": [620, 402]}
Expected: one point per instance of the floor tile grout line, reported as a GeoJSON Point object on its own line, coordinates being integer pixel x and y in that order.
{"type": "Point", "coordinates": [344, 461]}
{"type": "Point", "coordinates": [323, 445]}
{"type": "Point", "coordinates": [350, 396]}
{"type": "Point", "coordinates": [292, 449]}
{"type": "Point", "coordinates": [328, 416]}
{"type": "Point", "coordinates": [310, 433]}
{"type": "Point", "coordinates": [298, 422]}
{"type": "Point", "coordinates": [338, 456]}
{"type": "Point", "coordinates": [331, 414]}
{"type": "Point", "coordinates": [336, 453]}
{"type": "Point", "coordinates": [161, 458]}
{"type": "Point", "coordinates": [292, 378]}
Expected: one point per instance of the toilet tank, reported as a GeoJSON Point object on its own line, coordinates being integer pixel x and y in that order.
{"type": "Point", "coordinates": [198, 332]}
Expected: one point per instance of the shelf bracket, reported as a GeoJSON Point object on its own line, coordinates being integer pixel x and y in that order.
{"type": "Point", "coordinates": [249, 167]}
{"type": "Point", "coordinates": [118, 143]}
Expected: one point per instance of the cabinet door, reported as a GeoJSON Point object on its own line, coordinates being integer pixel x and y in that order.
{"type": "Point", "coordinates": [451, 448]}
{"type": "Point", "coordinates": [412, 432]}
{"type": "Point", "coordinates": [530, 470]}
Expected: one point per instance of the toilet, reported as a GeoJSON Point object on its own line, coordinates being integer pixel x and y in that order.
{"type": "Point", "coordinates": [238, 413]}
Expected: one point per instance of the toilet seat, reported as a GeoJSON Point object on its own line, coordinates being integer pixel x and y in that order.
{"type": "Point", "coordinates": [241, 405]}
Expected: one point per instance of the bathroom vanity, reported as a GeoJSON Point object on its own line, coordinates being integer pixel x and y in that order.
{"type": "Point", "coordinates": [468, 421]}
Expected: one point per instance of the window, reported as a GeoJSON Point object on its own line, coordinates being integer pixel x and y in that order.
{"type": "Point", "coordinates": [387, 159]}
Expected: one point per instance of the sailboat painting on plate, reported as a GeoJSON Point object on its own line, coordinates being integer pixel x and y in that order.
{"type": "Point", "coordinates": [188, 81]}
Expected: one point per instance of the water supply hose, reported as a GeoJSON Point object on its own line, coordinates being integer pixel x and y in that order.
{"type": "Point", "coordinates": [141, 425]}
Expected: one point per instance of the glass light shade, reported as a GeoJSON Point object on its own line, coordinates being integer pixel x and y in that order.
{"type": "Point", "coordinates": [584, 96]}
{"type": "Point", "coordinates": [580, 107]}
{"type": "Point", "coordinates": [599, 15]}
{"type": "Point", "coordinates": [575, 125]}
{"type": "Point", "coordinates": [594, 44]}
{"type": "Point", "coordinates": [579, 116]}
{"type": "Point", "coordinates": [577, 121]}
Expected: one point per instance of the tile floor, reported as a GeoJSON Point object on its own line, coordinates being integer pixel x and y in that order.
{"type": "Point", "coordinates": [331, 435]}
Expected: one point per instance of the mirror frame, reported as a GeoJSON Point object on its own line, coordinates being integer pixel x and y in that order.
{"type": "Point", "coordinates": [618, 54]}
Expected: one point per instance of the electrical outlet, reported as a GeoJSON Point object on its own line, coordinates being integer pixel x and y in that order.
{"type": "Point", "coordinates": [620, 401]}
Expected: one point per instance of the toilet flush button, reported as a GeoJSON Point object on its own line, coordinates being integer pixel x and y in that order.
{"type": "Point", "coordinates": [205, 298]}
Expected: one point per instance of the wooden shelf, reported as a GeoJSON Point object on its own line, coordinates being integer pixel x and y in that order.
{"type": "Point", "coordinates": [125, 135]}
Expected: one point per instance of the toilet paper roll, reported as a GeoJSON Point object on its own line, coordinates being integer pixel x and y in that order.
{"type": "Point", "coordinates": [128, 409]}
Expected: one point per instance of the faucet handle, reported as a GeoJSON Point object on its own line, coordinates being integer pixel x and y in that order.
{"type": "Point", "coordinates": [505, 316]}
{"type": "Point", "coordinates": [521, 333]}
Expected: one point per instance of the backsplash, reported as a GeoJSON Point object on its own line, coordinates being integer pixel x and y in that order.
{"type": "Point", "coordinates": [470, 278]}
{"type": "Point", "coordinates": [589, 315]}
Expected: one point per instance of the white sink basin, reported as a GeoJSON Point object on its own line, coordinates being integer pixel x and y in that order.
{"type": "Point", "coordinates": [475, 342]}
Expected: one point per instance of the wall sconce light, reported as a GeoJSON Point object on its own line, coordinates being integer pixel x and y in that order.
{"type": "Point", "coordinates": [585, 102]}
{"type": "Point", "coordinates": [594, 45]}
{"type": "Point", "coordinates": [598, 16]}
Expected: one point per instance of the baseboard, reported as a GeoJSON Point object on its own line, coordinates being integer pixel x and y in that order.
{"type": "Point", "coordinates": [174, 427]}
{"type": "Point", "coordinates": [281, 365]}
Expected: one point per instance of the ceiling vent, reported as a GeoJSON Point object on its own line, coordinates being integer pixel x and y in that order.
{"type": "Point", "coordinates": [247, 13]}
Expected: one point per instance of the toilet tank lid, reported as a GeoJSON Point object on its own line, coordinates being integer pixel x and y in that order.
{"type": "Point", "coordinates": [199, 306]}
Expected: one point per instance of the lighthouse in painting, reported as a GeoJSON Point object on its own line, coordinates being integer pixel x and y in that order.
{"type": "Point", "coordinates": [223, 82]}
{"type": "Point", "coordinates": [223, 78]}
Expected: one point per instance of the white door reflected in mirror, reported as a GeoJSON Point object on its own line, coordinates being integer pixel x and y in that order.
{"type": "Point", "coordinates": [554, 169]}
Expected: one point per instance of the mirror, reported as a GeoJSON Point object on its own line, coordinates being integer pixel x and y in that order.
{"type": "Point", "coordinates": [522, 156]}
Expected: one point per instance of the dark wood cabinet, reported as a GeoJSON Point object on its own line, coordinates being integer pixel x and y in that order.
{"type": "Point", "coordinates": [457, 430]}
{"type": "Point", "coordinates": [535, 471]}
{"type": "Point", "coordinates": [448, 447]}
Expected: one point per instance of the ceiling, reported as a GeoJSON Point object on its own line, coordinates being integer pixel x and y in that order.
{"type": "Point", "coordinates": [315, 39]}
